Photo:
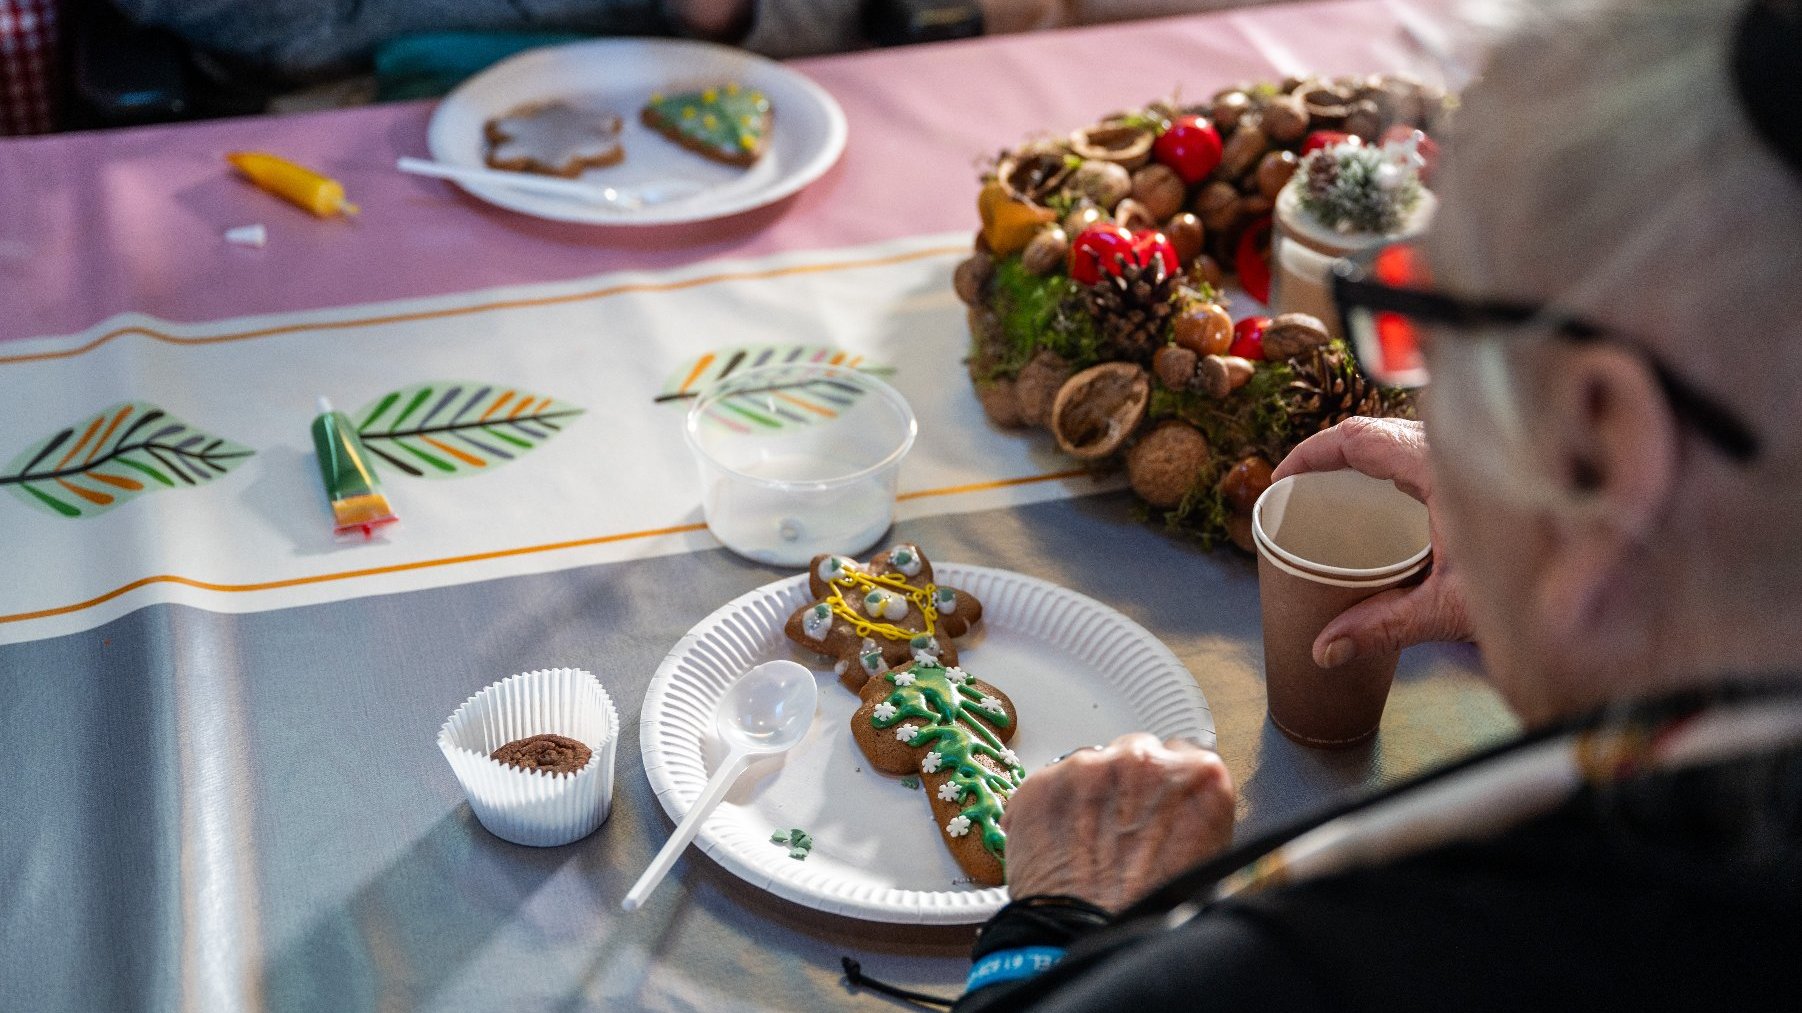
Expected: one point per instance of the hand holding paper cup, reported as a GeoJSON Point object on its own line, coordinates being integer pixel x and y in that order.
{"type": "Point", "coordinates": [1326, 541]}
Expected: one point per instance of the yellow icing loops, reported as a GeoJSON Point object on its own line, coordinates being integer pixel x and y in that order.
{"type": "Point", "coordinates": [920, 596]}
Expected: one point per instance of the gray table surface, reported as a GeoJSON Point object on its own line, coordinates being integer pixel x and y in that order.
{"type": "Point", "coordinates": [209, 811]}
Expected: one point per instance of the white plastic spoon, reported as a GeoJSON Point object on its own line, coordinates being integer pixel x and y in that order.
{"type": "Point", "coordinates": [767, 711]}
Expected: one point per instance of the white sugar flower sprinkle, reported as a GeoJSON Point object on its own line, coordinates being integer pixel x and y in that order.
{"type": "Point", "coordinates": [950, 792]}
{"type": "Point", "coordinates": [904, 678]}
{"type": "Point", "coordinates": [884, 711]}
{"type": "Point", "coordinates": [989, 703]}
{"type": "Point", "coordinates": [930, 765]}
{"type": "Point", "coordinates": [1012, 758]}
{"type": "Point", "coordinates": [957, 675]}
{"type": "Point", "coordinates": [959, 826]}
{"type": "Point", "coordinates": [906, 733]}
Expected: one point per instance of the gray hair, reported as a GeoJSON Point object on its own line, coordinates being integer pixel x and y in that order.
{"type": "Point", "coordinates": [1603, 162]}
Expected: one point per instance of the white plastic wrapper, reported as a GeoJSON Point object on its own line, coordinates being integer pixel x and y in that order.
{"type": "Point", "coordinates": [529, 806]}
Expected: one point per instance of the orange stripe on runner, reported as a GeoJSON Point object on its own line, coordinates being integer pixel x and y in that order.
{"type": "Point", "coordinates": [505, 304]}
{"type": "Point", "coordinates": [495, 407]}
{"type": "Point", "coordinates": [92, 496]}
{"type": "Point", "coordinates": [469, 459]}
{"type": "Point", "coordinates": [120, 481]}
{"type": "Point", "coordinates": [700, 367]}
{"type": "Point", "coordinates": [519, 409]}
{"type": "Point", "coordinates": [85, 437]}
{"type": "Point", "coordinates": [109, 433]}
{"type": "Point", "coordinates": [809, 405]}
{"type": "Point", "coordinates": [478, 557]}
{"type": "Point", "coordinates": [837, 358]}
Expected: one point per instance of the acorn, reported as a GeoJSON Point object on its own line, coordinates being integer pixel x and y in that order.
{"type": "Point", "coordinates": [1228, 107]}
{"type": "Point", "coordinates": [1223, 374]}
{"type": "Point", "coordinates": [1163, 465]}
{"type": "Point", "coordinates": [1186, 233]}
{"type": "Point", "coordinates": [1205, 330]}
{"type": "Point", "coordinates": [1159, 189]}
{"type": "Point", "coordinates": [1244, 482]}
{"type": "Point", "coordinates": [1046, 252]}
{"type": "Point", "coordinates": [1273, 172]}
{"type": "Point", "coordinates": [1083, 215]}
{"type": "Point", "coordinates": [1131, 215]}
{"type": "Point", "coordinates": [1174, 366]}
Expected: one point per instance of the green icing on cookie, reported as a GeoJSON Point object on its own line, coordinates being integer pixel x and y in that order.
{"type": "Point", "coordinates": [958, 738]}
{"type": "Point", "coordinates": [728, 119]}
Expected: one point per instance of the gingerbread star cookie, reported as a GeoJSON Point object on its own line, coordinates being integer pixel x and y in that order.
{"type": "Point", "coordinates": [880, 615]}
{"type": "Point", "coordinates": [553, 139]}
{"type": "Point", "coordinates": [951, 729]}
{"type": "Point", "coordinates": [727, 123]}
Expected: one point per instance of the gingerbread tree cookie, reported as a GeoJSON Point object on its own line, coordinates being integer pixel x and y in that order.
{"type": "Point", "coordinates": [880, 615]}
{"type": "Point", "coordinates": [727, 123]}
{"type": "Point", "coordinates": [952, 729]}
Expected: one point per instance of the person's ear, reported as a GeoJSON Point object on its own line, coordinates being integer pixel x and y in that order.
{"type": "Point", "coordinates": [1610, 451]}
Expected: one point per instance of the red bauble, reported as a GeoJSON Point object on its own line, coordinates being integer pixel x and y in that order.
{"type": "Point", "coordinates": [1150, 245]}
{"type": "Point", "coordinates": [1326, 139]}
{"type": "Point", "coordinates": [1252, 259]}
{"type": "Point", "coordinates": [1191, 146]}
{"type": "Point", "coordinates": [1248, 338]}
{"type": "Point", "coordinates": [1098, 251]}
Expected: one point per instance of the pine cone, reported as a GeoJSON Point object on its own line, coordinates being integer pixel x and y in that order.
{"type": "Point", "coordinates": [1327, 390]}
{"type": "Point", "coordinates": [1133, 310]}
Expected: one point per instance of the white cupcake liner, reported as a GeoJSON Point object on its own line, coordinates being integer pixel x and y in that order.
{"type": "Point", "coordinates": [528, 806]}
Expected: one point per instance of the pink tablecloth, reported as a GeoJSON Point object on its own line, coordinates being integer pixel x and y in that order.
{"type": "Point", "coordinates": [103, 223]}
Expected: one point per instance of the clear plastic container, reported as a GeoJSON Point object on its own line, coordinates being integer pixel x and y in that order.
{"type": "Point", "coordinates": [796, 460]}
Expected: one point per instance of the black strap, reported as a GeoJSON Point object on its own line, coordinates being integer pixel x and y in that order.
{"type": "Point", "coordinates": [1767, 72]}
{"type": "Point", "coordinates": [855, 977]}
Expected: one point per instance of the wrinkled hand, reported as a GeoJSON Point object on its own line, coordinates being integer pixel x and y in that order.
{"type": "Point", "coordinates": [1431, 610]}
{"type": "Point", "coordinates": [1109, 825]}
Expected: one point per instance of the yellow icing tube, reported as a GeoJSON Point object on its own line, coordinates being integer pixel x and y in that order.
{"type": "Point", "coordinates": [295, 184]}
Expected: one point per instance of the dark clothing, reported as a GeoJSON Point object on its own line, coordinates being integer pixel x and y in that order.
{"type": "Point", "coordinates": [1675, 891]}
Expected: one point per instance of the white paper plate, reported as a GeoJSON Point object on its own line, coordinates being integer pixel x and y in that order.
{"type": "Point", "coordinates": [1079, 673]}
{"type": "Point", "coordinates": [618, 76]}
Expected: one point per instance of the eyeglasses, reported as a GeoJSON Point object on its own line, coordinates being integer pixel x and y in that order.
{"type": "Point", "coordinates": [1385, 294]}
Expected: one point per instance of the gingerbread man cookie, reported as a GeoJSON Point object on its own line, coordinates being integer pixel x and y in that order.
{"type": "Point", "coordinates": [880, 615]}
{"type": "Point", "coordinates": [952, 729]}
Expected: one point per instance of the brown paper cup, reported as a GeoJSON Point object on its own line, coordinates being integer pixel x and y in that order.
{"type": "Point", "coordinates": [1327, 541]}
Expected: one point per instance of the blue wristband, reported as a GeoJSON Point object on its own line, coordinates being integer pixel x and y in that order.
{"type": "Point", "coordinates": [1012, 965]}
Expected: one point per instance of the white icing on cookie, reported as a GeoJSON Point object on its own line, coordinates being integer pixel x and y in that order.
{"type": "Point", "coordinates": [835, 568]}
{"type": "Point", "coordinates": [944, 600]}
{"type": "Point", "coordinates": [881, 603]}
{"type": "Point", "coordinates": [554, 138]}
{"type": "Point", "coordinates": [818, 622]}
{"type": "Point", "coordinates": [905, 558]}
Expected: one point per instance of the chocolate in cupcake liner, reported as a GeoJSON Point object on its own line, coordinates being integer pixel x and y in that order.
{"type": "Point", "coordinates": [531, 806]}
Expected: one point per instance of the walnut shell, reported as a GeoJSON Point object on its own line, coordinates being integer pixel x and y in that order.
{"type": "Point", "coordinates": [1131, 215]}
{"type": "Point", "coordinates": [1160, 190]}
{"type": "Point", "coordinates": [1364, 120]}
{"type": "Point", "coordinates": [1243, 150]}
{"type": "Point", "coordinates": [1291, 334]}
{"type": "Point", "coordinates": [1162, 466]}
{"type": "Point", "coordinates": [1000, 402]}
{"type": "Point", "coordinates": [1285, 119]}
{"type": "Point", "coordinates": [1217, 205]}
{"type": "Point", "coordinates": [1038, 385]}
{"type": "Point", "coordinates": [1123, 145]}
{"type": "Point", "coordinates": [1032, 176]}
{"type": "Point", "coordinates": [1098, 409]}
{"type": "Point", "coordinates": [972, 277]}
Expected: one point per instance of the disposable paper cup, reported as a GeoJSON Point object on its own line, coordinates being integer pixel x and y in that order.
{"type": "Point", "coordinates": [530, 806]}
{"type": "Point", "coordinates": [1326, 541]}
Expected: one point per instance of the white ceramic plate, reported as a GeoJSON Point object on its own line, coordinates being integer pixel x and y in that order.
{"type": "Point", "coordinates": [618, 76]}
{"type": "Point", "coordinates": [1079, 673]}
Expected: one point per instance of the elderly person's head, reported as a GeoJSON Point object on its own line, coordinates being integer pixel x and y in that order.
{"type": "Point", "coordinates": [1607, 169]}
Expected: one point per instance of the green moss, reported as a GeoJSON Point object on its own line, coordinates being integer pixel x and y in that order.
{"type": "Point", "coordinates": [1040, 313]}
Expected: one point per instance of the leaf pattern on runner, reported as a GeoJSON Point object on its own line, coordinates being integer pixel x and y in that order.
{"type": "Point", "coordinates": [115, 456]}
{"type": "Point", "coordinates": [799, 400]}
{"type": "Point", "coordinates": [451, 428]}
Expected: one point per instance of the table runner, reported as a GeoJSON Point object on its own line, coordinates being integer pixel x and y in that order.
{"type": "Point", "coordinates": [581, 462]}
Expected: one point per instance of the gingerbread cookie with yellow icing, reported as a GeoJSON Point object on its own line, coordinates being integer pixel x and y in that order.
{"type": "Point", "coordinates": [880, 615]}
{"type": "Point", "coordinates": [553, 139]}
{"type": "Point", "coordinates": [951, 729]}
{"type": "Point", "coordinates": [727, 123]}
